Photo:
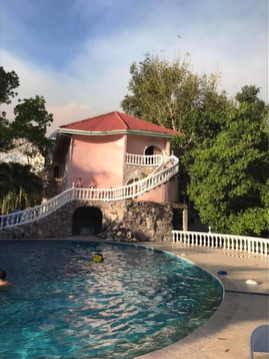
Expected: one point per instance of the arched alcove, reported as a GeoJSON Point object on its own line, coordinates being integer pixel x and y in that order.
{"type": "Point", "coordinates": [87, 221]}
{"type": "Point", "coordinates": [132, 181]}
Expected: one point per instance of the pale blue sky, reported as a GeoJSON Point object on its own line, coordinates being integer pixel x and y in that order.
{"type": "Point", "coordinates": [77, 53]}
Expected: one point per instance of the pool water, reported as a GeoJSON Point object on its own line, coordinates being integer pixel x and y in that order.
{"type": "Point", "coordinates": [137, 301]}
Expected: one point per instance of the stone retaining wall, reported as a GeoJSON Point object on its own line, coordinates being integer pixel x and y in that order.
{"type": "Point", "coordinates": [128, 221]}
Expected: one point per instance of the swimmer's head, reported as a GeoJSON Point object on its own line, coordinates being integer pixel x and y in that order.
{"type": "Point", "coordinates": [98, 258]}
{"type": "Point", "coordinates": [3, 275]}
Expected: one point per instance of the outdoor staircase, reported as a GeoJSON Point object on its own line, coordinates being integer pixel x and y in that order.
{"type": "Point", "coordinates": [160, 175]}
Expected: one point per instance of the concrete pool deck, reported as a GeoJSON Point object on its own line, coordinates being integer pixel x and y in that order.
{"type": "Point", "coordinates": [226, 333]}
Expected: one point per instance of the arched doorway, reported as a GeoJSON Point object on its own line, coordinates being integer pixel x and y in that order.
{"type": "Point", "coordinates": [150, 151]}
{"type": "Point", "coordinates": [87, 221]}
{"type": "Point", "coordinates": [153, 150]}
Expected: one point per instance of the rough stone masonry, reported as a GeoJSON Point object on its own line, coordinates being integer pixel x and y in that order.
{"type": "Point", "coordinates": [122, 221]}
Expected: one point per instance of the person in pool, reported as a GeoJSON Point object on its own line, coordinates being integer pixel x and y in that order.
{"type": "Point", "coordinates": [3, 281]}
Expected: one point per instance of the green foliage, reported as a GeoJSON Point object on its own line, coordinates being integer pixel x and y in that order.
{"type": "Point", "coordinates": [9, 81]}
{"type": "Point", "coordinates": [31, 122]}
{"type": "Point", "coordinates": [31, 118]}
{"type": "Point", "coordinates": [229, 178]}
{"type": "Point", "coordinates": [5, 134]}
{"type": "Point", "coordinates": [19, 187]}
{"type": "Point", "coordinates": [203, 124]}
{"type": "Point", "coordinates": [163, 92]}
{"type": "Point", "coordinates": [223, 153]}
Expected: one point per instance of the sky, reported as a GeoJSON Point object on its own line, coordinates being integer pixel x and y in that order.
{"type": "Point", "coordinates": [77, 53]}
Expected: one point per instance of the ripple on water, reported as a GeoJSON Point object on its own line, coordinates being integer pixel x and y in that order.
{"type": "Point", "coordinates": [135, 302]}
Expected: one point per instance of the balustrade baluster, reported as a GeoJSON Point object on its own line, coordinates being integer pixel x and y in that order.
{"type": "Point", "coordinates": [249, 247]}
{"type": "Point", "coordinates": [211, 241]}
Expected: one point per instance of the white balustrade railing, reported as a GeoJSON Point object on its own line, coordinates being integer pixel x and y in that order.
{"type": "Point", "coordinates": [132, 190]}
{"type": "Point", "coordinates": [225, 241]}
{"type": "Point", "coordinates": [140, 160]}
{"type": "Point", "coordinates": [32, 214]}
{"type": "Point", "coordinates": [112, 194]}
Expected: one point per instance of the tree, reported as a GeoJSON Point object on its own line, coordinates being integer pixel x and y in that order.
{"type": "Point", "coordinates": [9, 81]}
{"type": "Point", "coordinates": [19, 187]}
{"type": "Point", "coordinates": [30, 125]}
{"type": "Point", "coordinates": [163, 92]}
{"type": "Point", "coordinates": [31, 118]}
{"type": "Point", "coordinates": [170, 94]}
{"type": "Point", "coordinates": [229, 179]}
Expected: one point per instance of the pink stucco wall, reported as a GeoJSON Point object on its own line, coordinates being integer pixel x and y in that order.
{"type": "Point", "coordinates": [167, 192]}
{"type": "Point", "coordinates": [138, 144]}
{"type": "Point", "coordinates": [98, 157]}
{"type": "Point", "coordinates": [103, 158]}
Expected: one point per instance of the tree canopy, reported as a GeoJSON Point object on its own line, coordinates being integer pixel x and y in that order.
{"type": "Point", "coordinates": [229, 180]}
{"type": "Point", "coordinates": [31, 117]}
{"type": "Point", "coordinates": [19, 186]}
{"type": "Point", "coordinates": [163, 92]}
{"type": "Point", "coordinates": [30, 124]}
{"type": "Point", "coordinates": [224, 147]}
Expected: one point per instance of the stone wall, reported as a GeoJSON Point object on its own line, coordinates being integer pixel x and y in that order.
{"type": "Point", "coordinates": [142, 221]}
{"type": "Point", "coordinates": [128, 221]}
{"type": "Point", "coordinates": [132, 172]}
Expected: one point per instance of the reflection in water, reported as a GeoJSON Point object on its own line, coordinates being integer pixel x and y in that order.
{"type": "Point", "coordinates": [136, 301]}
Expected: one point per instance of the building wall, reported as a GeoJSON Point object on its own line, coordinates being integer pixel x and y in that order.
{"type": "Point", "coordinates": [98, 157]}
{"type": "Point", "coordinates": [137, 144]}
{"type": "Point", "coordinates": [168, 192]}
{"type": "Point", "coordinates": [102, 158]}
{"type": "Point", "coordinates": [65, 169]}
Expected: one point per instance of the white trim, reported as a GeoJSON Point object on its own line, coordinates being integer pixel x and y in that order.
{"type": "Point", "coordinates": [115, 132]}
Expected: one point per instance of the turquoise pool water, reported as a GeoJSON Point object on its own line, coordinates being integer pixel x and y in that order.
{"type": "Point", "coordinates": [136, 301]}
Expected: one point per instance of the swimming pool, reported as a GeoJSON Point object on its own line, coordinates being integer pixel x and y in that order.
{"type": "Point", "coordinates": [137, 301]}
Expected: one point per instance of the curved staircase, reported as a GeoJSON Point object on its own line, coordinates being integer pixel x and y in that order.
{"type": "Point", "coordinates": [160, 175]}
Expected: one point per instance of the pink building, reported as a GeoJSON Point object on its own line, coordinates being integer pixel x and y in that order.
{"type": "Point", "coordinates": [110, 150]}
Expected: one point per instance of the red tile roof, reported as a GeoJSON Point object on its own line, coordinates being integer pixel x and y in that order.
{"type": "Point", "coordinates": [116, 121]}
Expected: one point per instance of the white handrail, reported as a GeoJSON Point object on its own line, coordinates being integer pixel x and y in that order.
{"type": "Point", "coordinates": [151, 160]}
{"type": "Point", "coordinates": [109, 194]}
{"type": "Point", "coordinates": [228, 241]}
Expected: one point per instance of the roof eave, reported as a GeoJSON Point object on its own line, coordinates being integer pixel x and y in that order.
{"type": "Point", "coordinates": [116, 132]}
